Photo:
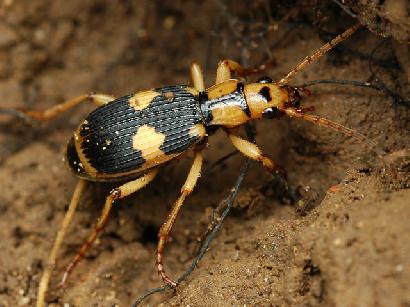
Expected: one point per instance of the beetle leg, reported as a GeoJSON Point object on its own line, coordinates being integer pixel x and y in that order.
{"type": "Point", "coordinates": [227, 67]}
{"type": "Point", "coordinates": [225, 70]}
{"type": "Point", "coordinates": [118, 193]}
{"type": "Point", "coordinates": [197, 77]}
{"type": "Point", "coordinates": [54, 111]}
{"type": "Point", "coordinates": [252, 151]}
{"type": "Point", "coordinates": [194, 174]}
{"type": "Point", "coordinates": [42, 289]}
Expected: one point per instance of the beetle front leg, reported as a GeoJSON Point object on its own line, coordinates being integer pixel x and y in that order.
{"type": "Point", "coordinates": [54, 111]}
{"type": "Point", "coordinates": [118, 193]}
{"type": "Point", "coordinates": [225, 70]}
{"type": "Point", "coordinates": [252, 151]}
{"type": "Point", "coordinates": [194, 174]}
{"type": "Point", "coordinates": [228, 67]}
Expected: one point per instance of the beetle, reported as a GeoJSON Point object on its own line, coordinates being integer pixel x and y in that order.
{"type": "Point", "coordinates": [130, 138]}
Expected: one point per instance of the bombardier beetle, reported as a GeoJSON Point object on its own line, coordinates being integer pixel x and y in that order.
{"type": "Point", "coordinates": [132, 137]}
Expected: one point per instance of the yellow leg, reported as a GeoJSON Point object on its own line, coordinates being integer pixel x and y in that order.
{"type": "Point", "coordinates": [118, 193]}
{"type": "Point", "coordinates": [194, 174]}
{"type": "Point", "coordinates": [228, 67]}
{"type": "Point", "coordinates": [225, 70]}
{"type": "Point", "coordinates": [197, 77]}
{"type": "Point", "coordinates": [54, 111]}
{"type": "Point", "coordinates": [252, 151]}
{"type": "Point", "coordinates": [45, 278]}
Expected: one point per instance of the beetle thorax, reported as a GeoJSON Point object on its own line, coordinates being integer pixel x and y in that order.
{"type": "Point", "coordinates": [224, 104]}
{"type": "Point", "coordinates": [233, 103]}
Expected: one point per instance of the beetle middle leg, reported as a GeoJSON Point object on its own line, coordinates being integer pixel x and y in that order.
{"type": "Point", "coordinates": [193, 175]}
{"type": "Point", "coordinates": [54, 111]}
{"type": "Point", "coordinates": [252, 151]}
{"type": "Point", "coordinates": [117, 193]}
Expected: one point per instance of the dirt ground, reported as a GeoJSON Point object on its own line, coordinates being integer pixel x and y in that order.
{"type": "Point", "coordinates": [345, 243]}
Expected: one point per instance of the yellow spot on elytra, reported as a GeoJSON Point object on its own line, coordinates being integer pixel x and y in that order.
{"type": "Point", "coordinates": [141, 100]}
{"type": "Point", "coordinates": [148, 141]}
{"type": "Point", "coordinates": [169, 96]}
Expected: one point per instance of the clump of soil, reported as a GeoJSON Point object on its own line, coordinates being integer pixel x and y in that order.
{"type": "Point", "coordinates": [345, 242]}
{"type": "Point", "coordinates": [387, 18]}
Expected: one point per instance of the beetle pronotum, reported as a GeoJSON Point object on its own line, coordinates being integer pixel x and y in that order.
{"type": "Point", "coordinates": [131, 137]}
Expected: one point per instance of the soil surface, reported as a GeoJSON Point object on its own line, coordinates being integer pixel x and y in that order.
{"type": "Point", "coordinates": [345, 242]}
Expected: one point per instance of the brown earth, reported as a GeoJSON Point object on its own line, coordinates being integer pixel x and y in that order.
{"type": "Point", "coordinates": [346, 243]}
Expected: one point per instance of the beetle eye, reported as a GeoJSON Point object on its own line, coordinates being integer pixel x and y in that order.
{"type": "Point", "coordinates": [265, 80]}
{"type": "Point", "coordinates": [272, 113]}
{"type": "Point", "coordinates": [294, 98]}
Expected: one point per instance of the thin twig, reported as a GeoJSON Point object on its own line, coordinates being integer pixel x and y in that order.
{"type": "Point", "coordinates": [345, 8]}
{"type": "Point", "coordinates": [220, 160]}
{"type": "Point", "coordinates": [205, 244]}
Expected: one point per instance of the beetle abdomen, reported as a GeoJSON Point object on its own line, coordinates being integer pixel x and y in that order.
{"type": "Point", "coordinates": [135, 133]}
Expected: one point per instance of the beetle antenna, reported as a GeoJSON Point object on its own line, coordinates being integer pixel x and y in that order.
{"type": "Point", "coordinates": [320, 121]}
{"type": "Point", "coordinates": [319, 53]}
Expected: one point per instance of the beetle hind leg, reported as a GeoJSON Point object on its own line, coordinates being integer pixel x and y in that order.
{"type": "Point", "coordinates": [118, 193]}
{"type": "Point", "coordinates": [163, 235]}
